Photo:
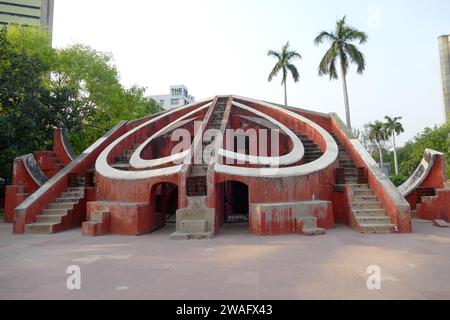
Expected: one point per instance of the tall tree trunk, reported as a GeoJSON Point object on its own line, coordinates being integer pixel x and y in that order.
{"type": "Point", "coordinates": [347, 106]}
{"type": "Point", "coordinates": [285, 94]}
{"type": "Point", "coordinates": [395, 154]}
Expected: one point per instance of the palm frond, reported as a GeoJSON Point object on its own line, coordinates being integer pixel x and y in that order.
{"type": "Point", "coordinates": [273, 53]}
{"type": "Point", "coordinates": [293, 55]}
{"type": "Point", "coordinates": [294, 72]}
{"type": "Point", "coordinates": [274, 72]}
{"type": "Point", "coordinates": [327, 61]}
{"type": "Point", "coordinates": [352, 34]}
{"type": "Point", "coordinates": [356, 56]}
{"type": "Point", "coordinates": [324, 35]}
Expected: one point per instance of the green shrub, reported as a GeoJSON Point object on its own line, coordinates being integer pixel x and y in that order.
{"type": "Point", "coordinates": [398, 180]}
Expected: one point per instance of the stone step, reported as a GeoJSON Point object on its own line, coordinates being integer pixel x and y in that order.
{"type": "Point", "coordinates": [67, 200]}
{"type": "Point", "coordinates": [313, 231]}
{"type": "Point", "coordinates": [447, 185]}
{"type": "Point", "coordinates": [123, 159]}
{"type": "Point", "coordinates": [369, 212]}
{"type": "Point", "coordinates": [309, 222]}
{"type": "Point", "coordinates": [73, 194]}
{"type": "Point", "coordinates": [362, 193]}
{"type": "Point", "coordinates": [40, 228]}
{"type": "Point", "coordinates": [191, 236]}
{"type": "Point", "coordinates": [377, 228]}
{"type": "Point", "coordinates": [365, 205]}
{"type": "Point", "coordinates": [48, 212]}
{"type": "Point", "coordinates": [121, 166]}
{"type": "Point", "coordinates": [370, 198]}
{"type": "Point", "coordinates": [77, 189]}
{"type": "Point", "coordinates": [68, 206]}
{"type": "Point", "coordinates": [193, 226]}
{"type": "Point", "coordinates": [373, 220]}
{"type": "Point", "coordinates": [358, 186]}
{"type": "Point", "coordinates": [53, 218]}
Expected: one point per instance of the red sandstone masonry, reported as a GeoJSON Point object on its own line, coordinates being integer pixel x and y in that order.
{"type": "Point", "coordinates": [400, 215]}
{"type": "Point", "coordinates": [26, 213]}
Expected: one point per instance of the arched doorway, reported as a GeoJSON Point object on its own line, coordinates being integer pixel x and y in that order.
{"type": "Point", "coordinates": [165, 202]}
{"type": "Point", "coordinates": [236, 202]}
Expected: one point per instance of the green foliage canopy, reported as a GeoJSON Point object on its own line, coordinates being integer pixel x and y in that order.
{"type": "Point", "coordinates": [42, 88]}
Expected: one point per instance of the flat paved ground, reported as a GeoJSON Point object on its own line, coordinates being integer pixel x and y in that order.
{"type": "Point", "coordinates": [234, 265]}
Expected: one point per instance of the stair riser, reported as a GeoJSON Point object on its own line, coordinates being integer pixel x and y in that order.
{"type": "Point", "coordinates": [67, 200]}
{"type": "Point", "coordinates": [366, 206]}
{"type": "Point", "coordinates": [49, 212]}
{"type": "Point", "coordinates": [365, 199]}
{"type": "Point", "coordinates": [48, 219]}
{"type": "Point", "coordinates": [33, 229]}
{"type": "Point", "coordinates": [373, 220]}
{"type": "Point", "coordinates": [378, 230]}
{"type": "Point", "coordinates": [374, 213]}
{"type": "Point", "coordinates": [359, 193]}
{"type": "Point", "coordinates": [60, 206]}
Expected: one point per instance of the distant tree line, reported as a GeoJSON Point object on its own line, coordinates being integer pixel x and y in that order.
{"type": "Point", "coordinates": [42, 88]}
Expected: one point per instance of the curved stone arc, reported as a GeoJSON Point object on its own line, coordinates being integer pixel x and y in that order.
{"type": "Point", "coordinates": [137, 162]}
{"type": "Point", "coordinates": [297, 153]}
{"type": "Point", "coordinates": [66, 144]}
{"type": "Point", "coordinates": [104, 169]}
{"type": "Point", "coordinates": [328, 158]}
{"type": "Point", "coordinates": [421, 173]}
{"type": "Point", "coordinates": [33, 169]}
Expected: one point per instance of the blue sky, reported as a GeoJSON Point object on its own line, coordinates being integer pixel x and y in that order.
{"type": "Point", "coordinates": [220, 47]}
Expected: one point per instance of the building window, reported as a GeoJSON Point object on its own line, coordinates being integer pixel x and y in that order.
{"type": "Point", "coordinates": [161, 102]}
{"type": "Point", "coordinates": [174, 102]}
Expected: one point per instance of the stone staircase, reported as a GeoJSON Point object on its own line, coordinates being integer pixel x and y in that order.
{"type": "Point", "coordinates": [367, 211]}
{"type": "Point", "coordinates": [123, 162]}
{"type": "Point", "coordinates": [60, 215]}
{"type": "Point", "coordinates": [368, 214]}
{"type": "Point", "coordinates": [312, 151]}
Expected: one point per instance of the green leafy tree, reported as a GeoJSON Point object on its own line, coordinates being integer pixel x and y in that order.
{"type": "Point", "coordinates": [25, 121]}
{"type": "Point", "coordinates": [343, 49]}
{"type": "Point", "coordinates": [378, 135]}
{"type": "Point", "coordinates": [42, 88]}
{"type": "Point", "coordinates": [411, 154]}
{"type": "Point", "coordinates": [393, 128]}
{"type": "Point", "coordinates": [285, 65]}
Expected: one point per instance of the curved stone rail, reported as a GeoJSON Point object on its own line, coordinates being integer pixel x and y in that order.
{"type": "Point", "coordinates": [66, 144]}
{"type": "Point", "coordinates": [328, 158]}
{"type": "Point", "coordinates": [421, 173]}
{"type": "Point", "coordinates": [27, 211]}
{"type": "Point", "coordinates": [392, 200]}
{"type": "Point", "coordinates": [137, 162]}
{"type": "Point", "coordinates": [33, 169]}
{"type": "Point", "coordinates": [297, 153]}
{"type": "Point", "coordinates": [106, 170]}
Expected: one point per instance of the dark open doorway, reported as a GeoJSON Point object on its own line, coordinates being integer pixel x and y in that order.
{"type": "Point", "coordinates": [166, 202]}
{"type": "Point", "coordinates": [236, 202]}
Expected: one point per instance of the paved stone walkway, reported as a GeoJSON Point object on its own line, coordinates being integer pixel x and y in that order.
{"type": "Point", "coordinates": [234, 265]}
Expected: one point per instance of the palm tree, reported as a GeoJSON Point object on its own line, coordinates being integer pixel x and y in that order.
{"type": "Point", "coordinates": [378, 134]}
{"type": "Point", "coordinates": [341, 47]}
{"type": "Point", "coordinates": [393, 128]}
{"type": "Point", "coordinates": [284, 64]}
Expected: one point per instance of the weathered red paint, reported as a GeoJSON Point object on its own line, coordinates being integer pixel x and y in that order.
{"type": "Point", "coordinates": [436, 179]}
{"type": "Point", "coordinates": [402, 220]}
